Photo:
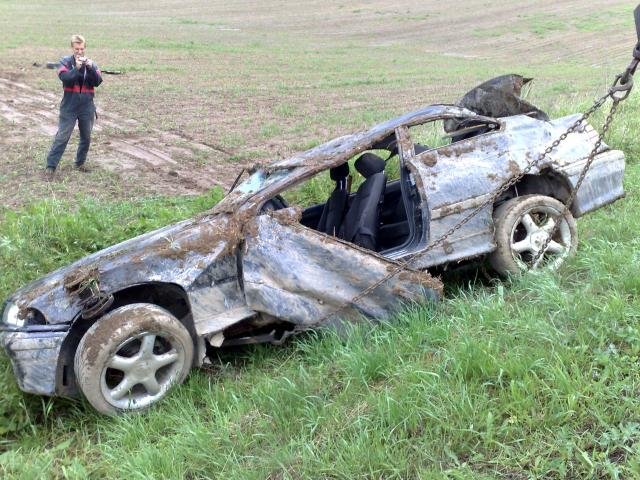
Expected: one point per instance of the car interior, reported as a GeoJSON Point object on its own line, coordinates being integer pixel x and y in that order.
{"type": "Point", "coordinates": [374, 216]}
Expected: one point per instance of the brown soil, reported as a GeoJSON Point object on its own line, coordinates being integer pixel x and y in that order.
{"type": "Point", "coordinates": [154, 162]}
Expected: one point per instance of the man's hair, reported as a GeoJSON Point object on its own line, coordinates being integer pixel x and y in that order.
{"type": "Point", "coordinates": [77, 39]}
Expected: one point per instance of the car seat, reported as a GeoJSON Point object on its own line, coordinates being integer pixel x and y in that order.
{"type": "Point", "coordinates": [361, 223]}
{"type": "Point", "coordinates": [334, 210]}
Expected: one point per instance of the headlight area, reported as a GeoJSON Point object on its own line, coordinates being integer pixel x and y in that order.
{"type": "Point", "coordinates": [10, 315]}
{"type": "Point", "coordinates": [33, 348]}
{"type": "Point", "coordinates": [12, 318]}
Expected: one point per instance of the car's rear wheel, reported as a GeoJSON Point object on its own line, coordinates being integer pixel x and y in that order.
{"type": "Point", "coordinates": [522, 226]}
{"type": "Point", "coordinates": [130, 358]}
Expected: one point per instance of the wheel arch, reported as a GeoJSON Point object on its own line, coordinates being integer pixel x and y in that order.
{"type": "Point", "coordinates": [170, 296]}
{"type": "Point", "coordinates": [548, 182]}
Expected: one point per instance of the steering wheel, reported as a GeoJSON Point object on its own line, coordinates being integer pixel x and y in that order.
{"type": "Point", "coordinates": [275, 203]}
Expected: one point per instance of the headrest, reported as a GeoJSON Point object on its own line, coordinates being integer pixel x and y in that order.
{"type": "Point", "coordinates": [340, 172]}
{"type": "Point", "coordinates": [369, 164]}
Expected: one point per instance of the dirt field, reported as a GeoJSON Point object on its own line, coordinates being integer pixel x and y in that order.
{"type": "Point", "coordinates": [166, 161]}
{"type": "Point", "coordinates": [209, 87]}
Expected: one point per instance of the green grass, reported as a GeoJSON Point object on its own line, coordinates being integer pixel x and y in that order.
{"type": "Point", "coordinates": [542, 25]}
{"type": "Point", "coordinates": [536, 377]}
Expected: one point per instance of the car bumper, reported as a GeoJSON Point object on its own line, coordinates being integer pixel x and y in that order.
{"type": "Point", "coordinates": [34, 357]}
{"type": "Point", "coordinates": [602, 184]}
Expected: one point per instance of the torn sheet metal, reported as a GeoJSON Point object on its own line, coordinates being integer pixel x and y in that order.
{"type": "Point", "coordinates": [458, 178]}
{"type": "Point", "coordinates": [302, 276]}
{"type": "Point", "coordinates": [498, 97]}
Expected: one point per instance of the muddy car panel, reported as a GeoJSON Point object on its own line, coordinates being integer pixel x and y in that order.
{"type": "Point", "coordinates": [602, 184]}
{"type": "Point", "coordinates": [192, 255]}
{"type": "Point", "coordinates": [34, 358]}
{"type": "Point", "coordinates": [456, 179]}
{"type": "Point", "coordinates": [299, 275]}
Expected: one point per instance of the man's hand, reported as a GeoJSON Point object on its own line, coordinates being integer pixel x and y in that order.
{"type": "Point", "coordinates": [78, 63]}
{"type": "Point", "coordinates": [89, 63]}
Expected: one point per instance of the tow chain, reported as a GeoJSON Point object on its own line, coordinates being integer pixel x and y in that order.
{"type": "Point", "coordinates": [618, 92]}
{"type": "Point", "coordinates": [516, 178]}
{"type": "Point", "coordinates": [537, 259]}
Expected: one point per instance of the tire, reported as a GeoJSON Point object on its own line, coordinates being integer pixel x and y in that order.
{"type": "Point", "coordinates": [521, 228]}
{"type": "Point", "coordinates": [130, 358]}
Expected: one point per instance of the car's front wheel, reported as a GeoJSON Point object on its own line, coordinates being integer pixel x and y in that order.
{"type": "Point", "coordinates": [130, 358]}
{"type": "Point", "coordinates": [523, 225]}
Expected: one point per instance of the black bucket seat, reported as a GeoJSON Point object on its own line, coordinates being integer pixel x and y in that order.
{"type": "Point", "coordinates": [361, 223]}
{"type": "Point", "coordinates": [334, 210]}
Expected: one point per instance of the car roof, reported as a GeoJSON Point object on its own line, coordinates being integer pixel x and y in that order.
{"type": "Point", "coordinates": [339, 150]}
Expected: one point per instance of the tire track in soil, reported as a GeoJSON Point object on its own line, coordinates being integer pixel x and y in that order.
{"type": "Point", "coordinates": [164, 162]}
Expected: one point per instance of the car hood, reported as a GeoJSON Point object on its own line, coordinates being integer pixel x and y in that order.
{"type": "Point", "coordinates": [175, 254]}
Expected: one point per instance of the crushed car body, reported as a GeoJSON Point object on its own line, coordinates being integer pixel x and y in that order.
{"type": "Point", "coordinates": [124, 324]}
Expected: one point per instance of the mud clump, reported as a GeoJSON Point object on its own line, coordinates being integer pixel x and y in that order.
{"type": "Point", "coordinates": [514, 168]}
{"type": "Point", "coordinates": [76, 278]}
{"type": "Point", "coordinates": [421, 278]}
{"type": "Point", "coordinates": [287, 216]}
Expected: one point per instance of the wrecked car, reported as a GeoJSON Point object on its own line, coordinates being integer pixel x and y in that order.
{"type": "Point", "coordinates": [125, 324]}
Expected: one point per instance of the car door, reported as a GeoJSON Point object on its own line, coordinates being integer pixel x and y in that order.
{"type": "Point", "coordinates": [456, 179]}
{"type": "Point", "coordinates": [305, 277]}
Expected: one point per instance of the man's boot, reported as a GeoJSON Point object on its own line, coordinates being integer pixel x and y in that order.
{"type": "Point", "coordinates": [49, 173]}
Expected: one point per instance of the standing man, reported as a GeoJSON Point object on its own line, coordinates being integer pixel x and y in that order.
{"type": "Point", "coordinates": [79, 76]}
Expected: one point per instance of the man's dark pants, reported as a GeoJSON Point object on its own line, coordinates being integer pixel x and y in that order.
{"type": "Point", "coordinates": [67, 122]}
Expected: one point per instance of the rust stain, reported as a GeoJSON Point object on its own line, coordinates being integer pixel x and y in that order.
{"type": "Point", "coordinates": [458, 149]}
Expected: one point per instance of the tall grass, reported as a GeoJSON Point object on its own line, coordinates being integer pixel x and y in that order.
{"type": "Point", "coordinates": [535, 377]}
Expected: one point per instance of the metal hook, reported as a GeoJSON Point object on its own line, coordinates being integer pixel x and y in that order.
{"type": "Point", "coordinates": [621, 86]}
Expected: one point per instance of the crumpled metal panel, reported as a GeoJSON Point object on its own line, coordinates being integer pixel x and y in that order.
{"type": "Point", "coordinates": [602, 184]}
{"type": "Point", "coordinates": [303, 276]}
{"type": "Point", "coordinates": [215, 291]}
{"type": "Point", "coordinates": [178, 254]}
